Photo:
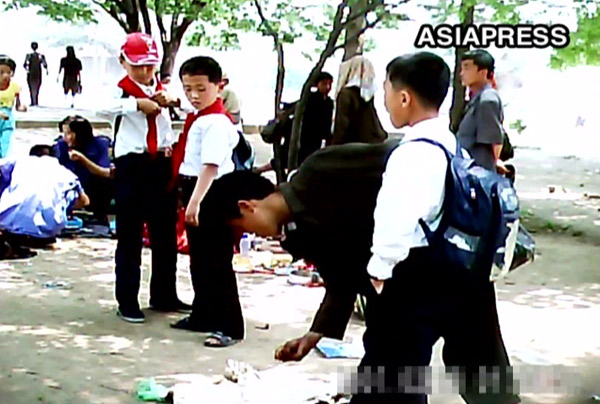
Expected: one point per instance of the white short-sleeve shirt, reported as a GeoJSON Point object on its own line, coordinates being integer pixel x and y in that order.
{"type": "Point", "coordinates": [211, 140]}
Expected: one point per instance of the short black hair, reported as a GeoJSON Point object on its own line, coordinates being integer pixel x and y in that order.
{"type": "Point", "coordinates": [323, 76]}
{"type": "Point", "coordinates": [202, 66]}
{"type": "Point", "coordinates": [425, 73]}
{"type": "Point", "coordinates": [40, 150]}
{"type": "Point", "coordinates": [225, 192]}
{"type": "Point", "coordinates": [6, 61]}
{"type": "Point", "coordinates": [481, 58]}
{"type": "Point", "coordinates": [34, 45]}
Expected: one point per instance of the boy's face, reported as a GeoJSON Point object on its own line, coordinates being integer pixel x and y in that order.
{"type": "Point", "coordinates": [142, 74]}
{"type": "Point", "coordinates": [470, 73]}
{"type": "Point", "coordinates": [200, 92]}
{"type": "Point", "coordinates": [5, 74]}
{"type": "Point", "coordinates": [397, 103]}
{"type": "Point", "coordinates": [324, 86]}
{"type": "Point", "coordinates": [256, 218]}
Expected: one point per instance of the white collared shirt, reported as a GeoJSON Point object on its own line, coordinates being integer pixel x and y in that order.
{"type": "Point", "coordinates": [412, 188]}
{"type": "Point", "coordinates": [211, 140]}
{"type": "Point", "coordinates": [133, 129]}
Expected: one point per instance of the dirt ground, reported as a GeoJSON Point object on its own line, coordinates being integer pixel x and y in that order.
{"type": "Point", "coordinates": [68, 346]}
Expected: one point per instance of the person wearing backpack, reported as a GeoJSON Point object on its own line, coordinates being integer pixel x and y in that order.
{"type": "Point", "coordinates": [324, 214]}
{"type": "Point", "coordinates": [34, 62]}
{"type": "Point", "coordinates": [203, 154]}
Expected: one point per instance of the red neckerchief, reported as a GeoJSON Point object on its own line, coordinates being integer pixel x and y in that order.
{"type": "Point", "coordinates": [131, 88]}
{"type": "Point", "coordinates": [216, 107]}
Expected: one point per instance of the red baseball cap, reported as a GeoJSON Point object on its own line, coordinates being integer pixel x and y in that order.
{"type": "Point", "coordinates": [140, 49]}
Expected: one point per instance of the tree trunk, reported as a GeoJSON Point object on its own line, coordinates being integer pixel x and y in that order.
{"type": "Point", "coordinates": [171, 45]}
{"type": "Point", "coordinates": [279, 170]}
{"type": "Point", "coordinates": [143, 5]}
{"type": "Point", "coordinates": [458, 90]}
{"type": "Point", "coordinates": [353, 40]}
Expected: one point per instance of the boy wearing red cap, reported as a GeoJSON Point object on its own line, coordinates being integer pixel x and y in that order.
{"type": "Point", "coordinates": [143, 144]}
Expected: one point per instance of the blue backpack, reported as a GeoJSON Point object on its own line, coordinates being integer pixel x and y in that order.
{"type": "Point", "coordinates": [480, 219]}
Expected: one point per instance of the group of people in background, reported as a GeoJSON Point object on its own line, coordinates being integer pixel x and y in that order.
{"type": "Point", "coordinates": [354, 209]}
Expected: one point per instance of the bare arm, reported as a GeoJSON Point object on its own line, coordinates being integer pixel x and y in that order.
{"type": "Point", "coordinates": [92, 167]}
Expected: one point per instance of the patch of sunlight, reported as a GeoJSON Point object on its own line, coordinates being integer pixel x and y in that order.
{"type": "Point", "coordinates": [116, 343]}
{"type": "Point", "coordinates": [81, 341]}
{"type": "Point", "coordinates": [108, 277]}
{"type": "Point", "coordinates": [7, 328]}
{"type": "Point", "coordinates": [40, 331]}
{"type": "Point", "coordinates": [104, 302]}
{"type": "Point", "coordinates": [166, 341]}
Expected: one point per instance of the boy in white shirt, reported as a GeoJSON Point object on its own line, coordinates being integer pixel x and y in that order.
{"type": "Point", "coordinates": [202, 155]}
{"type": "Point", "coordinates": [143, 166]}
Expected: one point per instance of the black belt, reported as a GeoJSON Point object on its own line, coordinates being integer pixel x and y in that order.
{"type": "Point", "coordinates": [187, 177]}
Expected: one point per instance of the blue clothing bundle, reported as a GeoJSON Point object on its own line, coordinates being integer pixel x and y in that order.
{"type": "Point", "coordinates": [35, 195]}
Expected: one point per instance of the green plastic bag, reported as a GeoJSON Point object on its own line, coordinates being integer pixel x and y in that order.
{"type": "Point", "coordinates": [148, 390]}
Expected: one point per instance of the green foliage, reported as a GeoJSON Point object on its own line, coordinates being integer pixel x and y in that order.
{"type": "Point", "coordinates": [585, 41]}
{"type": "Point", "coordinates": [518, 125]}
{"type": "Point", "coordinates": [505, 12]}
{"type": "Point", "coordinates": [62, 11]}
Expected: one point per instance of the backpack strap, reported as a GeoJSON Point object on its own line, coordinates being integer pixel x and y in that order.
{"type": "Point", "coordinates": [430, 235]}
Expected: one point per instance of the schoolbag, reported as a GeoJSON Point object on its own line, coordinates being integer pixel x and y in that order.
{"type": "Point", "coordinates": [243, 154]}
{"type": "Point", "coordinates": [479, 220]}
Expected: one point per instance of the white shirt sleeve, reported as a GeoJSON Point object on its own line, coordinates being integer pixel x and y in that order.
{"type": "Point", "coordinates": [115, 105]}
{"type": "Point", "coordinates": [412, 188]}
{"type": "Point", "coordinates": [216, 146]}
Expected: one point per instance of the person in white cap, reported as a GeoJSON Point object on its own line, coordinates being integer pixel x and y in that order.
{"type": "Point", "coordinates": [143, 148]}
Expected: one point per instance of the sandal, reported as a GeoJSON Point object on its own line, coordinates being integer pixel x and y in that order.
{"type": "Point", "coordinates": [219, 340]}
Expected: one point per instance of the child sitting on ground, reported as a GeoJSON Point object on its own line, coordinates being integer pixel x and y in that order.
{"type": "Point", "coordinates": [9, 98]}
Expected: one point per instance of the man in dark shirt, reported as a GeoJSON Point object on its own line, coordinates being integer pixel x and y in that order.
{"type": "Point", "coordinates": [326, 215]}
{"type": "Point", "coordinates": [318, 117]}
{"type": "Point", "coordinates": [33, 64]}
{"type": "Point", "coordinates": [480, 131]}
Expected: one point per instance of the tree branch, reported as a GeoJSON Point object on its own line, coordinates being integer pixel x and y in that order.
{"type": "Point", "coordinates": [158, 12]}
{"type": "Point", "coordinates": [266, 22]}
{"type": "Point", "coordinates": [112, 11]}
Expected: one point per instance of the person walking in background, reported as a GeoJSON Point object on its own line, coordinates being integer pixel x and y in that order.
{"type": "Point", "coordinates": [34, 62]}
{"type": "Point", "coordinates": [316, 123]}
{"type": "Point", "coordinates": [71, 68]}
{"type": "Point", "coordinates": [356, 119]}
{"type": "Point", "coordinates": [9, 98]}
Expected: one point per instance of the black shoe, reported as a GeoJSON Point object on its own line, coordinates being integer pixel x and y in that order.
{"type": "Point", "coordinates": [189, 325]}
{"type": "Point", "coordinates": [177, 306]}
{"type": "Point", "coordinates": [131, 316]}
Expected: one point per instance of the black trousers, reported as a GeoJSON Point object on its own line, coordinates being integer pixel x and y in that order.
{"type": "Point", "coordinates": [34, 83]}
{"type": "Point", "coordinates": [419, 304]}
{"type": "Point", "coordinates": [216, 305]}
{"type": "Point", "coordinates": [101, 192]}
{"type": "Point", "coordinates": [143, 196]}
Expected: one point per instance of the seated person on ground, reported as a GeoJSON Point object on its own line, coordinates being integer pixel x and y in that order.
{"type": "Point", "coordinates": [78, 143]}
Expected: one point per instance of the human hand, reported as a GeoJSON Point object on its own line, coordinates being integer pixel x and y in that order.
{"type": "Point", "coordinates": [3, 116]}
{"type": "Point", "coordinates": [501, 168]}
{"type": "Point", "coordinates": [22, 108]}
{"type": "Point", "coordinates": [148, 107]}
{"type": "Point", "coordinates": [378, 285]}
{"type": "Point", "coordinates": [163, 98]}
{"type": "Point", "coordinates": [74, 155]}
{"type": "Point", "coordinates": [191, 214]}
{"type": "Point", "coordinates": [297, 349]}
